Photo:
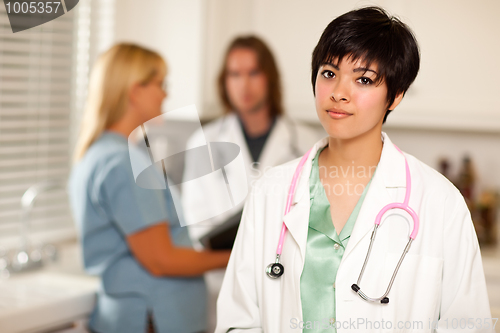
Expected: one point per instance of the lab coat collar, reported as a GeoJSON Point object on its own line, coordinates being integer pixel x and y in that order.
{"type": "Point", "coordinates": [276, 147]}
{"type": "Point", "coordinates": [230, 122]}
{"type": "Point", "coordinates": [390, 173]}
{"type": "Point", "coordinates": [275, 151]}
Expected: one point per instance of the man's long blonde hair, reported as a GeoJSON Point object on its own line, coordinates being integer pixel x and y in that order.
{"type": "Point", "coordinates": [113, 74]}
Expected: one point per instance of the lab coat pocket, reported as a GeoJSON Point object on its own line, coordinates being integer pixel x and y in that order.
{"type": "Point", "coordinates": [414, 298]}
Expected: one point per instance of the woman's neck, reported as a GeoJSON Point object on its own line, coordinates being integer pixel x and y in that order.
{"type": "Point", "coordinates": [125, 125]}
{"type": "Point", "coordinates": [361, 153]}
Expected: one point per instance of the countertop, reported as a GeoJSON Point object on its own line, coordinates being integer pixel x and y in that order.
{"type": "Point", "coordinates": [62, 293]}
{"type": "Point", "coordinates": [491, 266]}
{"type": "Point", "coordinates": [58, 294]}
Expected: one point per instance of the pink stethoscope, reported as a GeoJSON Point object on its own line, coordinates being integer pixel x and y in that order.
{"type": "Point", "coordinates": [275, 270]}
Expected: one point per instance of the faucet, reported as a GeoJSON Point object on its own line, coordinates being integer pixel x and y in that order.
{"type": "Point", "coordinates": [25, 258]}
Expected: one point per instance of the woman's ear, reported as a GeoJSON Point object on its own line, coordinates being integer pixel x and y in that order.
{"type": "Point", "coordinates": [396, 102]}
{"type": "Point", "coordinates": [134, 94]}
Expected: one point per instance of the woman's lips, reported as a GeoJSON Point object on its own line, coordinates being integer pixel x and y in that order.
{"type": "Point", "coordinates": [338, 114]}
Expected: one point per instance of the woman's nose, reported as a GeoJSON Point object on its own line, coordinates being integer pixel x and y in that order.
{"type": "Point", "coordinates": [340, 92]}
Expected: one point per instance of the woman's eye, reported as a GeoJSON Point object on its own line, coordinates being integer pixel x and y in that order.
{"type": "Point", "coordinates": [365, 80]}
{"type": "Point", "coordinates": [327, 74]}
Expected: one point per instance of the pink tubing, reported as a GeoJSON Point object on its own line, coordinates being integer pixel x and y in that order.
{"type": "Point", "coordinates": [399, 205]}
{"type": "Point", "coordinates": [291, 192]}
{"type": "Point", "coordinates": [404, 205]}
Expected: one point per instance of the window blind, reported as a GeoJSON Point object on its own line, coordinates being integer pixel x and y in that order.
{"type": "Point", "coordinates": [37, 93]}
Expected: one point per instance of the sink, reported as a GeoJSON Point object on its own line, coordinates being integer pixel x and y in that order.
{"type": "Point", "coordinates": [36, 301]}
{"type": "Point", "coordinates": [49, 298]}
{"type": "Point", "coordinates": [41, 287]}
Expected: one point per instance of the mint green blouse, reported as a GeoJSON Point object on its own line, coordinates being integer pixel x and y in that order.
{"type": "Point", "coordinates": [324, 252]}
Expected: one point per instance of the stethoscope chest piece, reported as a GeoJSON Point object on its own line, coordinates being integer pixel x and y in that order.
{"type": "Point", "coordinates": [275, 270]}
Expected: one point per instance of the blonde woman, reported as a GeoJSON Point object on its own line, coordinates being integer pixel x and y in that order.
{"type": "Point", "coordinates": [131, 236]}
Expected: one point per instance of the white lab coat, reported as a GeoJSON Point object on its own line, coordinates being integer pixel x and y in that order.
{"type": "Point", "coordinates": [441, 277]}
{"type": "Point", "coordinates": [281, 146]}
{"type": "Point", "coordinates": [287, 141]}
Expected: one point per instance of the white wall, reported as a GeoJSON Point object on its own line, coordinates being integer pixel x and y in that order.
{"type": "Point", "coordinates": [174, 29]}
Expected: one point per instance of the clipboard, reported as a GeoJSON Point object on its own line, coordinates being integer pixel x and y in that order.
{"type": "Point", "coordinates": [222, 237]}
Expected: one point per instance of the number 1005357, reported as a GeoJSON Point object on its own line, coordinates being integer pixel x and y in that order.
{"type": "Point", "coordinates": [32, 7]}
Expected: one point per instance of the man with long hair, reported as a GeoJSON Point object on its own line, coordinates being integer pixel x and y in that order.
{"type": "Point", "coordinates": [250, 90]}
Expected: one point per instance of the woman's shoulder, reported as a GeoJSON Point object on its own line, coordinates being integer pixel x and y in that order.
{"type": "Point", "coordinates": [278, 176]}
{"type": "Point", "coordinates": [100, 157]}
{"type": "Point", "coordinates": [435, 186]}
{"type": "Point", "coordinates": [103, 156]}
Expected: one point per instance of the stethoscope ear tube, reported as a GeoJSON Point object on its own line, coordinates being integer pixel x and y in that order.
{"type": "Point", "coordinates": [383, 299]}
{"type": "Point", "coordinates": [404, 205]}
{"type": "Point", "coordinates": [357, 289]}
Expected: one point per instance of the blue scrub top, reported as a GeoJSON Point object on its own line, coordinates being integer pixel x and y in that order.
{"type": "Point", "coordinates": [107, 206]}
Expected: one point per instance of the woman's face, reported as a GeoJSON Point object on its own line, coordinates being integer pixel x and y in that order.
{"type": "Point", "coordinates": [150, 97]}
{"type": "Point", "coordinates": [348, 102]}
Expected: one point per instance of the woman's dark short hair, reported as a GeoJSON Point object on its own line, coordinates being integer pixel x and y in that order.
{"type": "Point", "coordinates": [371, 35]}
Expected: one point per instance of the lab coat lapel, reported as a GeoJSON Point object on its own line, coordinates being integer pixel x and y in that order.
{"type": "Point", "coordinates": [297, 220]}
{"type": "Point", "coordinates": [277, 147]}
{"type": "Point", "coordinates": [235, 135]}
{"type": "Point", "coordinates": [275, 151]}
{"type": "Point", "coordinates": [390, 173]}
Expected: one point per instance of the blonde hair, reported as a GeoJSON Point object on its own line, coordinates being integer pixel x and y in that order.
{"type": "Point", "coordinates": [113, 74]}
